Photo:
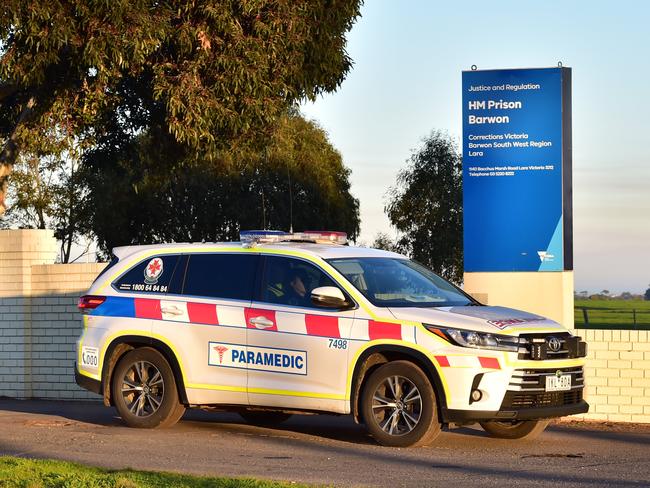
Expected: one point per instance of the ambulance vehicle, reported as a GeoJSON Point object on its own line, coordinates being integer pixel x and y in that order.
{"type": "Point", "coordinates": [280, 324]}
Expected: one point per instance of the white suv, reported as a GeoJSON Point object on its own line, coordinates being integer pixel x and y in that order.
{"type": "Point", "coordinates": [288, 323]}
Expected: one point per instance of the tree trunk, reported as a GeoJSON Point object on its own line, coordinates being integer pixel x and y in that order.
{"type": "Point", "coordinates": [9, 153]}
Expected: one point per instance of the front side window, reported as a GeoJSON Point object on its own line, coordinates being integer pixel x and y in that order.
{"type": "Point", "coordinates": [391, 282]}
{"type": "Point", "coordinates": [153, 275]}
{"type": "Point", "coordinates": [221, 275]}
{"type": "Point", "coordinates": [289, 281]}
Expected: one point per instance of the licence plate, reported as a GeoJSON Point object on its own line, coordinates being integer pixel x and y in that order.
{"type": "Point", "coordinates": [558, 383]}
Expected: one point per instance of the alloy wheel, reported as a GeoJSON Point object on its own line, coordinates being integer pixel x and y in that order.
{"type": "Point", "coordinates": [143, 388]}
{"type": "Point", "coordinates": [397, 405]}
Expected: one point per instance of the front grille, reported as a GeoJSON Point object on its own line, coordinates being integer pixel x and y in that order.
{"type": "Point", "coordinates": [534, 380]}
{"type": "Point", "coordinates": [527, 389]}
{"type": "Point", "coordinates": [520, 400]}
{"type": "Point", "coordinates": [537, 346]}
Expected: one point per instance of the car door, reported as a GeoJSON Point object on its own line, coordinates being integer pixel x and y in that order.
{"type": "Point", "coordinates": [297, 352]}
{"type": "Point", "coordinates": [206, 324]}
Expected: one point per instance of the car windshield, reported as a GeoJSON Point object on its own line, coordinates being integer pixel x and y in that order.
{"type": "Point", "coordinates": [391, 282]}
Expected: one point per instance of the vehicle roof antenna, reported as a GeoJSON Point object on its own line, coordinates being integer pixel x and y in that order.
{"type": "Point", "coordinates": [266, 164]}
{"type": "Point", "coordinates": [263, 211]}
{"type": "Point", "coordinates": [290, 200]}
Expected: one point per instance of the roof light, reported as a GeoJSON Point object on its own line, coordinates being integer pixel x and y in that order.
{"type": "Point", "coordinates": [251, 237]}
{"type": "Point", "coordinates": [326, 236]}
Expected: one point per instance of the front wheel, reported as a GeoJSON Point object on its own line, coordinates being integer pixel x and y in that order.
{"type": "Point", "coordinates": [523, 429]}
{"type": "Point", "coordinates": [399, 406]}
{"type": "Point", "coordinates": [144, 390]}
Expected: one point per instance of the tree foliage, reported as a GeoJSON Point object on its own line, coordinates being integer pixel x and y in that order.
{"type": "Point", "coordinates": [220, 72]}
{"type": "Point", "coordinates": [426, 206]}
{"type": "Point", "coordinates": [148, 189]}
{"type": "Point", "coordinates": [385, 242]}
{"type": "Point", "coordinates": [46, 192]}
{"type": "Point", "coordinates": [647, 294]}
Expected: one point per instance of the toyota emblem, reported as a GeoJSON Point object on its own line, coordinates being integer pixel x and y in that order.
{"type": "Point", "coordinates": [554, 344]}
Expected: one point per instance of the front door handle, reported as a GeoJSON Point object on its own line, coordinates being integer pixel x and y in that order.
{"type": "Point", "coordinates": [261, 322]}
{"type": "Point", "coordinates": [172, 310]}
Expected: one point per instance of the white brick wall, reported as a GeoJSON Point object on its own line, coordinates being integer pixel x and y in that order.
{"type": "Point", "coordinates": [618, 375]}
{"type": "Point", "coordinates": [39, 321]}
{"type": "Point", "coordinates": [56, 325]}
{"type": "Point", "coordinates": [14, 337]}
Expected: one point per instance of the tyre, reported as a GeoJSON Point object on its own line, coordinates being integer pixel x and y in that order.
{"type": "Point", "coordinates": [523, 429]}
{"type": "Point", "coordinates": [399, 406]}
{"type": "Point", "coordinates": [259, 417]}
{"type": "Point", "coordinates": [144, 390]}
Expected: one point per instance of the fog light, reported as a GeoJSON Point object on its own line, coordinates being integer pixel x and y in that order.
{"type": "Point", "coordinates": [476, 395]}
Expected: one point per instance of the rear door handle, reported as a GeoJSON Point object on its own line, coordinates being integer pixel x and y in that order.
{"type": "Point", "coordinates": [172, 310]}
{"type": "Point", "coordinates": [261, 322]}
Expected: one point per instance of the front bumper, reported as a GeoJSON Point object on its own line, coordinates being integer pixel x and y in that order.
{"type": "Point", "coordinates": [527, 398]}
{"type": "Point", "coordinates": [87, 383]}
{"type": "Point", "coordinates": [470, 416]}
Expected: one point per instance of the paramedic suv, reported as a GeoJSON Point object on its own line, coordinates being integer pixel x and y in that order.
{"type": "Point", "coordinates": [288, 323]}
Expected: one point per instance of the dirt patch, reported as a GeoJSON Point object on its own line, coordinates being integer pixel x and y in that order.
{"type": "Point", "coordinates": [604, 425]}
{"type": "Point", "coordinates": [48, 423]}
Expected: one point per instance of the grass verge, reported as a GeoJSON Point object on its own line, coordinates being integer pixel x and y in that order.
{"type": "Point", "coordinates": [613, 314]}
{"type": "Point", "coordinates": [44, 473]}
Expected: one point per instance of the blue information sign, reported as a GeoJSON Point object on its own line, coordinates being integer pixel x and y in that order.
{"type": "Point", "coordinates": [517, 170]}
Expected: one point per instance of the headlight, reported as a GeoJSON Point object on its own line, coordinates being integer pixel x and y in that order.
{"type": "Point", "coordinates": [476, 340]}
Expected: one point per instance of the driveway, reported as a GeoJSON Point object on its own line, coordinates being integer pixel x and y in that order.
{"type": "Point", "coordinates": [326, 449]}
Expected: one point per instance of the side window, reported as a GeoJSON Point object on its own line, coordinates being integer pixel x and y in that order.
{"type": "Point", "coordinates": [152, 275]}
{"type": "Point", "coordinates": [230, 276]}
{"type": "Point", "coordinates": [288, 281]}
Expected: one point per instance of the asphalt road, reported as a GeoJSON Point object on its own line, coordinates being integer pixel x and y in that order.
{"type": "Point", "coordinates": [326, 449]}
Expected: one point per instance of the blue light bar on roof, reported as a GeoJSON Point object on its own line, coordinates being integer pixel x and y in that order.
{"type": "Point", "coordinates": [262, 235]}
{"type": "Point", "coordinates": [250, 237]}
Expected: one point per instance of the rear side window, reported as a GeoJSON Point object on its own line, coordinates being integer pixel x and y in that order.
{"type": "Point", "coordinates": [151, 275]}
{"type": "Point", "coordinates": [114, 261]}
{"type": "Point", "coordinates": [229, 276]}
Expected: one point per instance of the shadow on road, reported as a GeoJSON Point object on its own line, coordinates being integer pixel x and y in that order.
{"type": "Point", "coordinates": [333, 427]}
{"type": "Point", "coordinates": [461, 453]}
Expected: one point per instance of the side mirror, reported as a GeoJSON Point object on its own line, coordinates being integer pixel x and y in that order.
{"type": "Point", "coordinates": [328, 296]}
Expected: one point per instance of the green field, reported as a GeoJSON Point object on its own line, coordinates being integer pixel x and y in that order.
{"type": "Point", "coordinates": [616, 314]}
{"type": "Point", "coordinates": [39, 473]}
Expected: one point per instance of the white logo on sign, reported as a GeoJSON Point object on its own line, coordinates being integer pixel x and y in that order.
{"type": "Point", "coordinates": [545, 256]}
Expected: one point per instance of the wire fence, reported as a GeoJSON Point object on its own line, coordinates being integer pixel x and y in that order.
{"type": "Point", "coordinates": [612, 318]}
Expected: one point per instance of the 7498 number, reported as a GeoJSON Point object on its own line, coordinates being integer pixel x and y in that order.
{"type": "Point", "coordinates": [338, 343]}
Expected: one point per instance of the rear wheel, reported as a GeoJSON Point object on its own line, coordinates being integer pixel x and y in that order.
{"type": "Point", "coordinates": [399, 406]}
{"type": "Point", "coordinates": [523, 429]}
{"type": "Point", "coordinates": [260, 417]}
{"type": "Point", "coordinates": [144, 390]}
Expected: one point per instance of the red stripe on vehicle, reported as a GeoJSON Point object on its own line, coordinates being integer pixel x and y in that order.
{"type": "Point", "coordinates": [492, 363]}
{"type": "Point", "coordinates": [442, 361]}
{"type": "Point", "coordinates": [384, 330]}
{"type": "Point", "coordinates": [322, 325]}
{"type": "Point", "coordinates": [252, 313]}
{"type": "Point", "coordinates": [202, 313]}
{"type": "Point", "coordinates": [147, 308]}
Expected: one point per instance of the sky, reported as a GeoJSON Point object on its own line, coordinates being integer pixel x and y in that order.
{"type": "Point", "coordinates": [406, 81]}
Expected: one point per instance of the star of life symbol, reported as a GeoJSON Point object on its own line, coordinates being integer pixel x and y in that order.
{"type": "Point", "coordinates": [220, 350]}
{"type": "Point", "coordinates": [153, 270]}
